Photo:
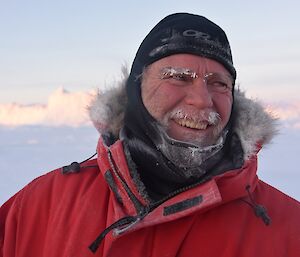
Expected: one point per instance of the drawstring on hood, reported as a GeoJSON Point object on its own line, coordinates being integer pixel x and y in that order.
{"type": "Point", "coordinates": [75, 167]}
{"type": "Point", "coordinates": [119, 223]}
{"type": "Point", "coordinates": [259, 210]}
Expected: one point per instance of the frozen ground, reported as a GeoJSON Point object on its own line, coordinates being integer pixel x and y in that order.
{"type": "Point", "coordinates": [29, 151]}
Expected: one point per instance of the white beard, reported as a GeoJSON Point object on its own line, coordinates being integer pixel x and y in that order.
{"type": "Point", "coordinates": [187, 155]}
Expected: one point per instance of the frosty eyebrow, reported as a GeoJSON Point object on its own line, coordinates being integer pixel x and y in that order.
{"type": "Point", "coordinates": [169, 72]}
{"type": "Point", "coordinates": [218, 82]}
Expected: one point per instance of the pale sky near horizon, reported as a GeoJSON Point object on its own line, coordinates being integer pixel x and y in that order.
{"type": "Point", "coordinates": [81, 45]}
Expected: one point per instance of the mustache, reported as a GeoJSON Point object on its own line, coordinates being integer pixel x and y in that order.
{"type": "Point", "coordinates": [208, 115]}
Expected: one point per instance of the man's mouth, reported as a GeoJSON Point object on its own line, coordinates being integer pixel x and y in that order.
{"type": "Point", "coordinates": [188, 123]}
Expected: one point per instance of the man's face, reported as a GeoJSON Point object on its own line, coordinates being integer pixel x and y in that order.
{"type": "Point", "coordinates": [191, 96]}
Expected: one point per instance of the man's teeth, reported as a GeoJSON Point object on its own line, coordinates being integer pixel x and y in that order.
{"type": "Point", "coordinates": [191, 124]}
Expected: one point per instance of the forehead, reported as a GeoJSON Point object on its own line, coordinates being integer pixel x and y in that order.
{"type": "Point", "coordinates": [194, 62]}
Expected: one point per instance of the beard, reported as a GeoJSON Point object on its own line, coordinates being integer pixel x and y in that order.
{"type": "Point", "coordinates": [209, 117]}
{"type": "Point", "coordinates": [191, 154]}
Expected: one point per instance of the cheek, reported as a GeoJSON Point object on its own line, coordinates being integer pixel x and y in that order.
{"type": "Point", "coordinates": [223, 104]}
{"type": "Point", "coordinates": [160, 100]}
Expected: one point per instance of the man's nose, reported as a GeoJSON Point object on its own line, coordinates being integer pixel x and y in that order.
{"type": "Point", "coordinates": [198, 95]}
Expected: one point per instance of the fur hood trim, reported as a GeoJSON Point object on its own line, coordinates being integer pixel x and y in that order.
{"type": "Point", "coordinates": [253, 124]}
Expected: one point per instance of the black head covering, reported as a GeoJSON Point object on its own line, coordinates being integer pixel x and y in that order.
{"type": "Point", "coordinates": [176, 33]}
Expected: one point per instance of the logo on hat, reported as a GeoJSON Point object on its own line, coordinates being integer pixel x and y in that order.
{"type": "Point", "coordinates": [196, 34]}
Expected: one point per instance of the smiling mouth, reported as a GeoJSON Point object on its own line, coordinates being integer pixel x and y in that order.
{"type": "Point", "coordinates": [200, 125]}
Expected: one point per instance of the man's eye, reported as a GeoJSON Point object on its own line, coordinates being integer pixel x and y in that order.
{"type": "Point", "coordinates": [219, 84]}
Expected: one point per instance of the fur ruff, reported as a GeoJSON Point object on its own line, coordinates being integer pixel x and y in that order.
{"type": "Point", "coordinates": [254, 126]}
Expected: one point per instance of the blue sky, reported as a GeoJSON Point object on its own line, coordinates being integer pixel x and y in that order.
{"type": "Point", "coordinates": [81, 45]}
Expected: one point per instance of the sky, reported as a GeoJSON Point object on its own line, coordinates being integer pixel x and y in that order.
{"type": "Point", "coordinates": [81, 45]}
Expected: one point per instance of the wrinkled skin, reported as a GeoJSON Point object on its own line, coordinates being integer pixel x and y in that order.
{"type": "Point", "coordinates": [191, 103]}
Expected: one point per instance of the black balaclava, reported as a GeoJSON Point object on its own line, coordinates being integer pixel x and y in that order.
{"type": "Point", "coordinates": [176, 33]}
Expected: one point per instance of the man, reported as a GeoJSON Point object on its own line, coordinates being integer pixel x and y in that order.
{"type": "Point", "coordinates": [176, 168]}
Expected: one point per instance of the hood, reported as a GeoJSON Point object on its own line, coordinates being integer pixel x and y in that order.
{"type": "Point", "coordinates": [253, 124]}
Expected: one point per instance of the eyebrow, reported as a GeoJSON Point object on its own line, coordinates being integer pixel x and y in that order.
{"type": "Point", "coordinates": [170, 71]}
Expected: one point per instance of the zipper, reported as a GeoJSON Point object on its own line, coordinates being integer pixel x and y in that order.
{"type": "Point", "coordinates": [137, 204]}
{"type": "Point", "coordinates": [176, 192]}
{"type": "Point", "coordinates": [125, 223]}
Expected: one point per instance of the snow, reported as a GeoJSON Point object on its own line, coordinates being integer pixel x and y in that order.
{"type": "Point", "coordinates": [27, 152]}
{"type": "Point", "coordinates": [278, 162]}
